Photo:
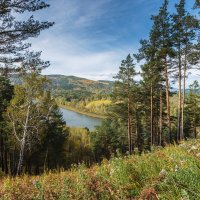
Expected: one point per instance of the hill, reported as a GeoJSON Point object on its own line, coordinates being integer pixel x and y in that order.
{"type": "Point", "coordinates": [72, 87]}
{"type": "Point", "coordinates": [78, 83]}
{"type": "Point", "coordinates": [169, 173]}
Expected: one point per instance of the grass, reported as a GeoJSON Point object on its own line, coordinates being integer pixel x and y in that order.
{"type": "Point", "coordinates": [169, 173]}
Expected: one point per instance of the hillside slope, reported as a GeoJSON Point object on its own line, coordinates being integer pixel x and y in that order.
{"type": "Point", "coordinates": [170, 173]}
{"type": "Point", "coordinates": [78, 83]}
{"type": "Point", "coordinates": [73, 83]}
{"type": "Point", "coordinates": [72, 87]}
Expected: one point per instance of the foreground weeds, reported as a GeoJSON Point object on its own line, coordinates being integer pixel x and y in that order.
{"type": "Point", "coordinates": [170, 173]}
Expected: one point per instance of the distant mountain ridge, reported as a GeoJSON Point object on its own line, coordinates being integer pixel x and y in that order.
{"type": "Point", "coordinates": [62, 84]}
{"type": "Point", "coordinates": [79, 83]}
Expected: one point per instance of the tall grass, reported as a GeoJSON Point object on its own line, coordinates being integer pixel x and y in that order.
{"type": "Point", "coordinates": [170, 173]}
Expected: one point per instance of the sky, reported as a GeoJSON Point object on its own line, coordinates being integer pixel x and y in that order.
{"type": "Point", "coordinates": [90, 38]}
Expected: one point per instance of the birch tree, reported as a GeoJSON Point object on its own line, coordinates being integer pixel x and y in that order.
{"type": "Point", "coordinates": [26, 114]}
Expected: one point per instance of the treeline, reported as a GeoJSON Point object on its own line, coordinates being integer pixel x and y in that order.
{"type": "Point", "coordinates": [144, 113]}
{"type": "Point", "coordinates": [96, 104]}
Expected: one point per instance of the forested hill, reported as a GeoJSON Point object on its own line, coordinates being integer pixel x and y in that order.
{"type": "Point", "coordinates": [75, 87]}
{"type": "Point", "coordinates": [78, 83]}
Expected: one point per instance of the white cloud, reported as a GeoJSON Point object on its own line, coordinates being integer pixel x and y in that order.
{"type": "Point", "coordinates": [73, 53]}
{"type": "Point", "coordinates": [81, 44]}
{"type": "Point", "coordinates": [75, 59]}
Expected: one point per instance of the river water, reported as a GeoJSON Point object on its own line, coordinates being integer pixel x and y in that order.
{"type": "Point", "coordinates": [74, 119]}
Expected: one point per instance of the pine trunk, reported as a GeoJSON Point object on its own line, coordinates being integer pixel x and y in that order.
{"type": "Point", "coordinates": [179, 98]}
{"type": "Point", "coordinates": [2, 153]}
{"type": "Point", "coordinates": [6, 159]}
{"type": "Point", "coordinates": [129, 128]}
{"type": "Point", "coordinates": [183, 101]}
{"type": "Point", "coordinates": [152, 115]}
{"type": "Point", "coordinates": [167, 101]}
{"type": "Point", "coordinates": [195, 132]}
{"type": "Point", "coordinates": [160, 120]}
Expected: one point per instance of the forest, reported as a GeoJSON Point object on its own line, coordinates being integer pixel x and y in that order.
{"type": "Point", "coordinates": [149, 129]}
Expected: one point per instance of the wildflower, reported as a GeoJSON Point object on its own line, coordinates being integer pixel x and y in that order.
{"type": "Point", "coordinates": [182, 145]}
{"type": "Point", "coordinates": [198, 155]}
{"type": "Point", "coordinates": [112, 171]}
{"type": "Point", "coordinates": [176, 168]}
{"type": "Point", "coordinates": [34, 182]}
{"type": "Point", "coordinates": [163, 173]}
{"type": "Point", "coordinates": [193, 148]}
{"type": "Point", "coordinates": [182, 162]}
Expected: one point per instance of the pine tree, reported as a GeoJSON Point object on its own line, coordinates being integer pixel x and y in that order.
{"type": "Point", "coordinates": [157, 52]}
{"type": "Point", "coordinates": [6, 93]}
{"type": "Point", "coordinates": [192, 110]}
{"type": "Point", "coordinates": [197, 4]}
{"type": "Point", "coordinates": [184, 36]}
{"type": "Point", "coordinates": [50, 151]}
{"type": "Point", "coordinates": [161, 31]}
{"type": "Point", "coordinates": [123, 95]}
{"type": "Point", "coordinates": [13, 33]}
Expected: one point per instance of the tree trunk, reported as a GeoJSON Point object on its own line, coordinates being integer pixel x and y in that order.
{"type": "Point", "coordinates": [167, 101]}
{"type": "Point", "coordinates": [160, 121]}
{"type": "Point", "coordinates": [140, 141]}
{"type": "Point", "coordinates": [195, 132]}
{"type": "Point", "coordinates": [152, 136]}
{"type": "Point", "coordinates": [6, 159]}
{"type": "Point", "coordinates": [45, 159]}
{"type": "Point", "coordinates": [2, 153]}
{"type": "Point", "coordinates": [21, 157]}
{"type": "Point", "coordinates": [13, 162]}
{"type": "Point", "coordinates": [179, 98]}
{"type": "Point", "coordinates": [129, 128]}
{"type": "Point", "coordinates": [23, 142]}
{"type": "Point", "coordinates": [183, 100]}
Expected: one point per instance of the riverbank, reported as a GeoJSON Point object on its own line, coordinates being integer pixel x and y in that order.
{"type": "Point", "coordinates": [83, 112]}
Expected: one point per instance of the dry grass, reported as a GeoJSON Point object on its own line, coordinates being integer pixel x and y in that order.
{"type": "Point", "coordinates": [170, 173]}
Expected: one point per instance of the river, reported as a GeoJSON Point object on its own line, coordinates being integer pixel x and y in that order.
{"type": "Point", "coordinates": [74, 119]}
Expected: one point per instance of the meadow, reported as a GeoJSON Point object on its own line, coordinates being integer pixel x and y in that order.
{"type": "Point", "coordinates": [169, 173]}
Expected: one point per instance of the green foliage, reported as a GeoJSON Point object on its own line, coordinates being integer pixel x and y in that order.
{"type": "Point", "coordinates": [78, 147]}
{"type": "Point", "coordinates": [124, 100]}
{"type": "Point", "coordinates": [6, 93]}
{"type": "Point", "coordinates": [90, 107]}
{"type": "Point", "coordinates": [16, 30]}
{"type": "Point", "coordinates": [170, 173]}
{"type": "Point", "coordinates": [192, 110]}
{"type": "Point", "coordinates": [109, 139]}
{"type": "Point", "coordinates": [72, 88]}
{"type": "Point", "coordinates": [78, 93]}
{"type": "Point", "coordinates": [37, 126]}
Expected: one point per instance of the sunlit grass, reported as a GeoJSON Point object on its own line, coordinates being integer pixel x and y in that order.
{"type": "Point", "coordinates": [103, 102]}
{"type": "Point", "coordinates": [170, 173]}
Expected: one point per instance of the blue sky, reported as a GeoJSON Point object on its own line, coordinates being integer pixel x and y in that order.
{"type": "Point", "coordinates": [91, 37]}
